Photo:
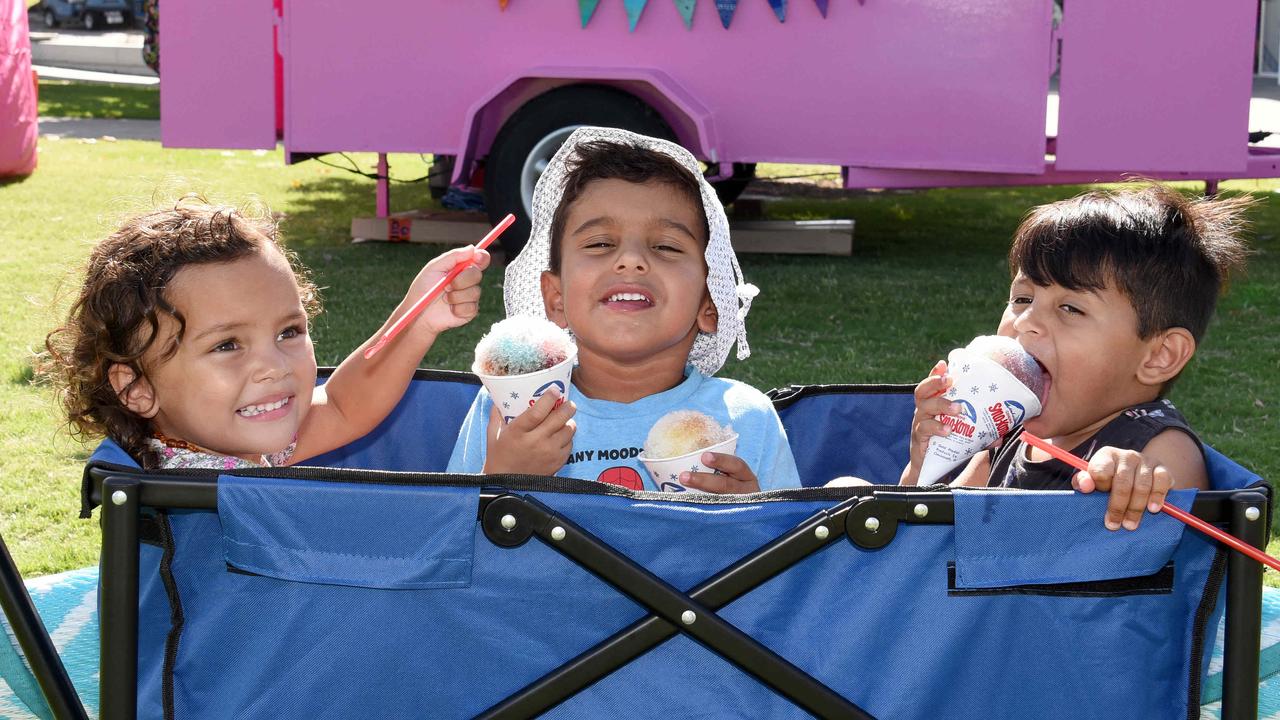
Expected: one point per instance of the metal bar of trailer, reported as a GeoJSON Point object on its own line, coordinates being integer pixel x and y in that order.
{"type": "Point", "coordinates": [1261, 162]}
{"type": "Point", "coordinates": [1244, 611]}
{"type": "Point", "coordinates": [36, 644]}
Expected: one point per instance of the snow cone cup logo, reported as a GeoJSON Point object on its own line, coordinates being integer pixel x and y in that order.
{"type": "Point", "coordinates": [666, 471]}
{"type": "Point", "coordinates": [513, 394]}
{"type": "Point", "coordinates": [993, 402]}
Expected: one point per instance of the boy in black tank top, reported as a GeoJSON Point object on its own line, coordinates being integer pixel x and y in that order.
{"type": "Point", "coordinates": [1111, 293]}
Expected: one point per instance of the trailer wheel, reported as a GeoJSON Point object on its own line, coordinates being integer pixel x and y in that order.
{"type": "Point", "coordinates": [731, 187]}
{"type": "Point", "coordinates": [89, 21]}
{"type": "Point", "coordinates": [50, 20]}
{"type": "Point", "coordinates": [533, 134]}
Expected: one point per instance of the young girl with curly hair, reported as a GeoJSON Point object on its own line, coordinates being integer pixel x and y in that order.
{"type": "Point", "coordinates": [188, 344]}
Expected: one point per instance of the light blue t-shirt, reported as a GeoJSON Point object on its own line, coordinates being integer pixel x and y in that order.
{"type": "Point", "coordinates": [610, 435]}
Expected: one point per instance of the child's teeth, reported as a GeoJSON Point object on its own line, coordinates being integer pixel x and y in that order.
{"type": "Point", "coordinates": [259, 409]}
{"type": "Point", "coordinates": [627, 296]}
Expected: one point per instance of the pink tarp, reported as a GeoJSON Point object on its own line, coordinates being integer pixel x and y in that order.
{"type": "Point", "coordinates": [18, 131]}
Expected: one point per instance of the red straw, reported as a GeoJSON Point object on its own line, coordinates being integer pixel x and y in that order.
{"type": "Point", "coordinates": [436, 290]}
{"type": "Point", "coordinates": [1231, 541]}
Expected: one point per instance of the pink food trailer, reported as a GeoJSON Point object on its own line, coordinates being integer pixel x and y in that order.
{"type": "Point", "coordinates": [898, 93]}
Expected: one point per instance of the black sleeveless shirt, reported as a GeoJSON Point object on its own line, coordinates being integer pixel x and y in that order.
{"type": "Point", "coordinates": [1131, 430]}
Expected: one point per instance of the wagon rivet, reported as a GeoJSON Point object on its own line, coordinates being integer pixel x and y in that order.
{"type": "Point", "coordinates": [1252, 513]}
{"type": "Point", "coordinates": [921, 510]}
{"type": "Point", "coordinates": [119, 497]}
{"type": "Point", "coordinates": [872, 524]}
{"type": "Point", "coordinates": [687, 617]}
{"type": "Point", "coordinates": [508, 522]}
{"type": "Point", "coordinates": [557, 533]}
{"type": "Point", "coordinates": [821, 532]}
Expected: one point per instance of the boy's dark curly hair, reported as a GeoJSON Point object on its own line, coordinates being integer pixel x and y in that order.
{"type": "Point", "coordinates": [1170, 255]}
{"type": "Point", "coordinates": [115, 317]}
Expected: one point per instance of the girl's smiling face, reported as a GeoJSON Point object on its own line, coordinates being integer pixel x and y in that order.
{"type": "Point", "coordinates": [1087, 342]}
{"type": "Point", "coordinates": [240, 380]}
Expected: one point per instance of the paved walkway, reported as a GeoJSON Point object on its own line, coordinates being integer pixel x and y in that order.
{"type": "Point", "coordinates": [97, 128]}
{"type": "Point", "coordinates": [48, 72]}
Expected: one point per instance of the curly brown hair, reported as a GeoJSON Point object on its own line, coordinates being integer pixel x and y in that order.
{"type": "Point", "coordinates": [115, 318]}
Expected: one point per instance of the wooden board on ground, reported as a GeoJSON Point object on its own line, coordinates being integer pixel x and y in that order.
{"type": "Point", "coordinates": [445, 227]}
{"type": "Point", "coordinates": [801, 237]}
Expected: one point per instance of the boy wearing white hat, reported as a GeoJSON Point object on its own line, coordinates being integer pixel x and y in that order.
{"type": "Point", "coordinates": [630, 252]}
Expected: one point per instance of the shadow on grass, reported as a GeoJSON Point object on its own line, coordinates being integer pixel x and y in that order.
{"type": "Point", "coordinates": [24, 374]}
{"type": "Point", "coordinates": [64, 99]}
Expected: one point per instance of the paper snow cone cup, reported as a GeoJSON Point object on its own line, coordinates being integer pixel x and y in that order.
{"type": "Point", "coordinates": [666, 471]}
{"type": "Point", "coordinates": [993, 402]}
{"type": "Point", "coordinates": [513, 394]}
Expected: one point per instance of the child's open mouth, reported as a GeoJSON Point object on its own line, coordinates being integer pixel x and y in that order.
{"type": "Point", "coordinates": [629, 301]}
{"type": "Point", "coordinates": [1048, 376]}
{"type": "Point", "coordinates": [269, 410]}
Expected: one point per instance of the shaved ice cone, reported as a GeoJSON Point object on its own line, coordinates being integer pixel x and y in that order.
{"type": "Point", "coordinates": [998, 386]}
{"type": "Point", "coordinates": [675, 445]}
{"type": "Point", "coordinates": [522, 358]}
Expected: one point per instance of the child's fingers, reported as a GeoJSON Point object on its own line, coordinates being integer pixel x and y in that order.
{"type": "Point", "coordinates": [465, 311]}
{"type": "Point", "coordinates": [1161, 483]}
{"type": "Point", "coordinates": [469, 278]}
{"type": "Point", "coordinates": [719, 484]}
{"type": "Point", "coordinates": [1121, 483]}
{"type": "Point", "coordinates": [1102, 467]}
{"type": "Point", "coordinates": [929, 427]}
{"type": "Point", "coordinates": [939, 405]}
{"type": "Point", "coordinates": [464, 303]}
{"type": "Point", "coordinates": [932, 386]}
{"type": "Point", "coordinates": [446, 261]}
{"type": "Point", "coordinates": [1142, 484]}
{"type": "Point", "coordinates": [457, 295]}
{"type": "Point", "coordinates": [727, 464]}
{"type": "Point", "coordinates": [706, 482]}
{"type": "Point", "coordinates": [561, 415]}
{"type": "Point", "coordinates": [562, 439]}
{"type": "Point", "coordinates": [537, 413]}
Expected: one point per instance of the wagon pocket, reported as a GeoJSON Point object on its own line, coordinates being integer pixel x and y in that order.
{"type": "Point", "coordinates": [1054, 543]}
{"type": "Point", "coordinates": [391, 537]}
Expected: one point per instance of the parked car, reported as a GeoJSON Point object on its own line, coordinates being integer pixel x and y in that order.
{"type": "Point", "coordinates": [91, 14]}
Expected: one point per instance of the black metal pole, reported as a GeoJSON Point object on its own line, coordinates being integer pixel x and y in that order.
{"type": "Point", "coordinates": [1244, 611]}
{"type": "Point", "coordinates": [36, 644]}
{"type": "Point", "coordinates": [119, 602]}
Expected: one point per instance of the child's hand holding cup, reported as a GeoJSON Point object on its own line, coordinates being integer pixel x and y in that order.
{"type": "Point", "coordinates": [998, 385]}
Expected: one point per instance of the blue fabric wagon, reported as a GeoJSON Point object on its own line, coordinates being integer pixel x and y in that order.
{"type": "Point", "coordinates": [372, 585]}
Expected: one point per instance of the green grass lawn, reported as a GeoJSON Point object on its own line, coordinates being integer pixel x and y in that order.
{"type": "Point", "coordinates": [927, 274]}
{"type": "Point", "coordinates": [62, 98]}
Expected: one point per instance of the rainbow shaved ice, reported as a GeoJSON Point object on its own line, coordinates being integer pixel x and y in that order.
{"type": "Point", "coordinates": [1010, 355]}
{"type": "Point", "coordinates": [681, 432]}
{"type": "Point", "coordinates": [522, 345]}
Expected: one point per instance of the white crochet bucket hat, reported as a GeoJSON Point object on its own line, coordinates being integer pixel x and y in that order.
{"type": "Point", "coordinates": [730, 292]}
